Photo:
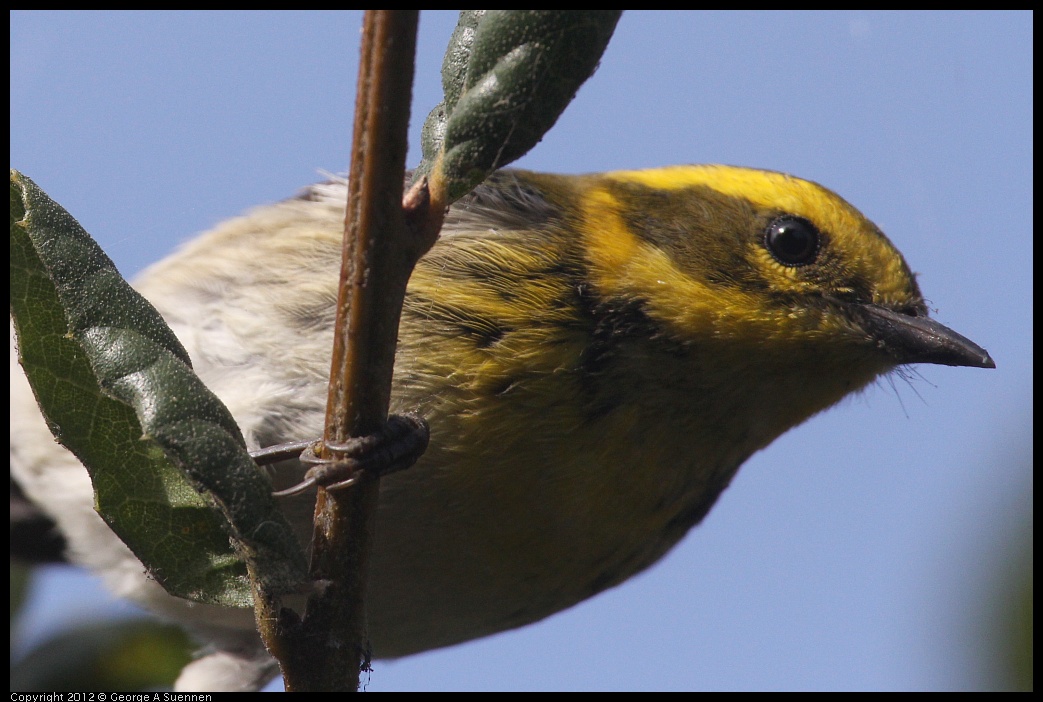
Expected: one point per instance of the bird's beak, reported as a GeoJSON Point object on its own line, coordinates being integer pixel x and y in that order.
{"type": "Point", "coordinates": [910, 339]}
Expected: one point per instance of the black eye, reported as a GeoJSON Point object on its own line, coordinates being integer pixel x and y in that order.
{"type": "Point", "coordinates": [793, 241]}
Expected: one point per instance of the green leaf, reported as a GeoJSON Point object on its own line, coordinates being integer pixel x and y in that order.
{"type": "Point", "coordinates": [507, 77]}
{"type": "Point", "coordinates": [171, 473]}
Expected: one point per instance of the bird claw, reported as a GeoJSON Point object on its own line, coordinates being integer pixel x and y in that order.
{"type": "Point", "coordinates": [395, 447]}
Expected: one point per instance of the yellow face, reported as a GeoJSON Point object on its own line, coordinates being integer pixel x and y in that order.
{"type": "Point", "coordinates": [741, 253]}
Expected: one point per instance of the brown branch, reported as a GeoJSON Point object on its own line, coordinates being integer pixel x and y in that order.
{"type": "Point", "coordinates": [380, 249]}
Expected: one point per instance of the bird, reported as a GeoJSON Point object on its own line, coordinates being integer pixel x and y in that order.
{"type": "Point", "coordinates": [596, 356]}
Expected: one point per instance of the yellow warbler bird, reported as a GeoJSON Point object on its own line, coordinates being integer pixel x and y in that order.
{"type": "Point", "coordinates": [596, 356]}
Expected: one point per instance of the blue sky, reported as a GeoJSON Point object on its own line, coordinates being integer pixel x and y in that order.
{"type": "Point", "coordinates": [859, 551]}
